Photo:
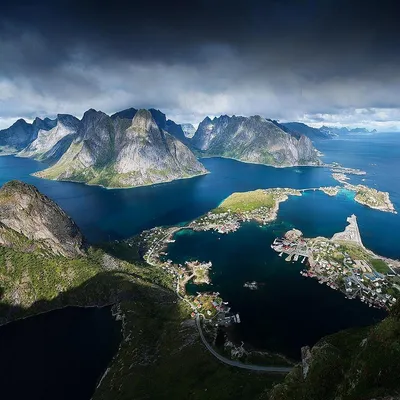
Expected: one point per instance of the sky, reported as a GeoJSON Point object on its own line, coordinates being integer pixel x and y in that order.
{"type": "Point", "coordinates": [322, 62]}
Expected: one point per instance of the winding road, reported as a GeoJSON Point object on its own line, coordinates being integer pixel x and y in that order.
{"type": "Point", "coordinates": [252, 367]}
{"type": "Point", "coordinates": [227, 361]}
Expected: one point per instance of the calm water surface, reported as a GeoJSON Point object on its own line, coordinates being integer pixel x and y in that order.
{"type": "Point", "coordinates": [57, 355]}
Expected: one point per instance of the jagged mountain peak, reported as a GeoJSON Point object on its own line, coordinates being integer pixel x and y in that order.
{"type": "Point", "coordinates": [91, 119]}
{"type": "Point", "coordinates": [143, 122]}
{"type": "Point", "coordinates": [188, 130]}
{"type": "Point", "coordinates": [50, 144]}
{"type": "Point", "coordinates": [93, 114]}
{"type": "Point", "coordinates": [207, 119]}
{"type": "Point", "coordinates": [252, 139]}
{"type": "Point", "coordinates": [67, 119]}
{"type": "Point", "coordinates": [160, 118]}
{"type": "Point", "coordinates": [19, 122]}
{"type": "Point", "coordinates": [117, 152]}
{"type": "Point", "coordinates": [129, 113]}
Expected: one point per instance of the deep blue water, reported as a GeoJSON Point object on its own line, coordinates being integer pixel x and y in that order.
{"type": "Point", "coordinates": [273, 316]}
{"type": "Point", "coordinates": [113, 214]}
{"type": "Point", "coordinates": [57, 355]}
{"type": "Point", "coordinates": [287, 311]}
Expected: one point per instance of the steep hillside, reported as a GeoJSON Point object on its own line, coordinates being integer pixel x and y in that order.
{"type": "Point", "coordinates": [253, 139]}
{"type": "Point", "coordinates": [21, 134]}
{"type": "Point", "coordinates": [189, 130]}
{"type": "Point", "coordinates": [160, 341]}
{"type": "Point", "coordinates": [118, 152]}
{"type": "Point", "coordinates": [30, 221]}
{"type": "Point", "coordinates": [356, 364]}
{"type": "Point", "coordinates": [51, 144]}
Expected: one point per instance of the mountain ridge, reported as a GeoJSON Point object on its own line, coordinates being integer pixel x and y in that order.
{"type": "Point", "coordinates": [51, 144]}
{"type": "Point", "coordinates": [117, 152]}
{"type": "Point", "coordinates": [253, 139]}
{"type": "Point", "coordinates": [21, 133]}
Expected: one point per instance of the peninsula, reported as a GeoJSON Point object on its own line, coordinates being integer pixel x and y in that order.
{"type": "Point", "coordinates": [343, 263]}
{"type": "Point", "coordinates": [365, 195]}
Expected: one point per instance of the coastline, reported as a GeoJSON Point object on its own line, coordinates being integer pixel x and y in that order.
{"type": "Point", "coordinates": [269, 165]}
{"type": "Point", "coordinates": [118, 187]}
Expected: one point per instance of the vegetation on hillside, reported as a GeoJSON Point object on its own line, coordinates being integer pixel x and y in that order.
{"type": "Point", "coordinates": [160, 341]}
{"type": "Point", "coordinates": [350, 365]}
{"type": "Point", "coordinates": [247, 201]}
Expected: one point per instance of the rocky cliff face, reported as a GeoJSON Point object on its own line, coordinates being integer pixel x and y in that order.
{"type": "Point", "coordinates": [189, 130]}
{"type": "Point", "coordinates": [118, 152]}
{"type": "Point", "coordinates": [253, 139]}
{"type": "Point", "coordinates": [161, 120]}
{"type": "Point", "coordinates": [30, 221]}
{"type": "Point", "coordinates": [51, 144]}
{"type": "Point", "coordinates": [21, 134]}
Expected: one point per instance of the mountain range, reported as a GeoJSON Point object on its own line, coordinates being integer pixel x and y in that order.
{"type": "Point", "coordinates": [333, 131]}
{"type": "Point", "coordinates": [140, 147]}
{"type": "Point", "coordinates": [253, 139]}
{"type": "Point", "coordinates": [119, 152]}
{"type": "Point", "coordinates": [21, 134]}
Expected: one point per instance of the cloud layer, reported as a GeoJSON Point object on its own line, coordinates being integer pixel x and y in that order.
{"type": "Point", "coordinates": [322, 62]}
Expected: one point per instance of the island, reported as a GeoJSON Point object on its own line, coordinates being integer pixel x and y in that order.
{"type": "Point", "coordinates": [260, 205]}
{"type": "Point", "coordinates": [340, 177]}
{"type": "Point", "coordinates": [365, 195]}
{"type": "Point", "coordinates": [372, 198]}
{"type": "Point", "coordinates": [343, 263]}
{"type": "Point", "coordinates": [330, 190]}
{"type": "Point", "coordinates": [337, 168]}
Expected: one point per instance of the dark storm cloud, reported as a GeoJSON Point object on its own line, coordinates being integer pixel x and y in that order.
{"type": "Point", "coordinates": [285, 59]}
{"type": "Point", "coordinates": [168, 31]}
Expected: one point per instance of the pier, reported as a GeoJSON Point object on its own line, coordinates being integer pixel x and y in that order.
{"type": "Point", "coordinates": [292, 245]}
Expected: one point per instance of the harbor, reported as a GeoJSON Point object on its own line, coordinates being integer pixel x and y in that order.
{"type": "Point", "coordinates": [343, 263]}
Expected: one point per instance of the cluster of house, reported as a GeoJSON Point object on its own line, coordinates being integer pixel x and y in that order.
{"type": "Point", "coordinates": [215, 309]}
{"type": "Point", "coordinates": [220, 222]}
{"type": "Point", "coordinates": [355, 277]}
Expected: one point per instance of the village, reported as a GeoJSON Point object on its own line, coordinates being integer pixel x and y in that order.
{"type": "Point", "coordinates": [343, 263]}
{"type": "Point", "coordinates": [207, 304]}
{"type": "Point", "coordinates": [365, 195]}
{"type": "Point", "coordinates": [259, 205]}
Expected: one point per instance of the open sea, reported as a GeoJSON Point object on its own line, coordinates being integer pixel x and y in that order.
{"type": "Point", "coordinates": [288, 310]}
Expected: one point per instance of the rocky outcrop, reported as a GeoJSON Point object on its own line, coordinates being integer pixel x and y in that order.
{"type": "Point", "coordinates": [189, 130]}
{"type": "Point", "coordinates": [30, 221]}
{"type": "Point", "coordinates": [161, 120]}
{"type": "Point", "coordinates": [118, 152]}
{"type": "Point", "coordinates": [51, 144]}
{"type": "Point", "coordinates": [21, 134]}
{"type": "Point", "coordinates": [253, 139]}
